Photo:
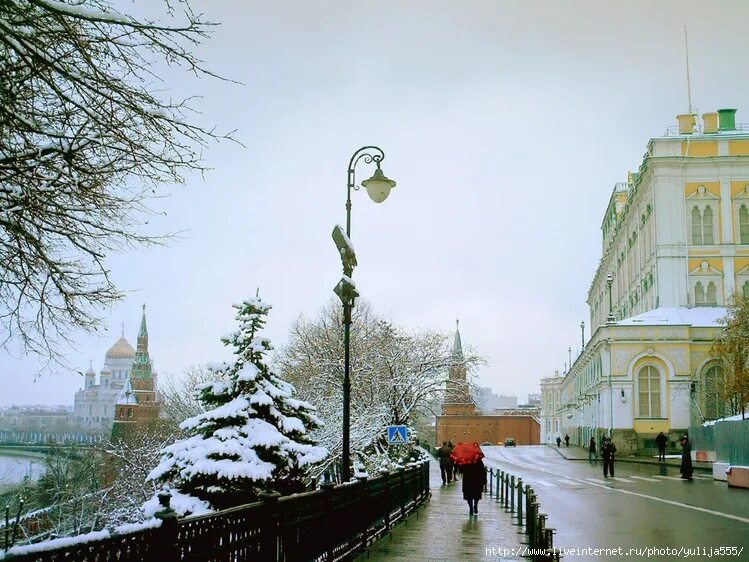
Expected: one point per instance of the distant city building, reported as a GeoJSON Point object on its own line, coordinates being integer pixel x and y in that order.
{"type": "Point", "coordinates": [36, 418]}
{"type": "Point", "coordinates": [94, 408]}
{"type": "Point", "coordinates": [675, 247]}
{"type": "Point", "coordinates": [551, 408]}
{"type": "Point", "coordinates": [461, 422]}
{"type": "Point", "coordinates": [487, 402]}
{"type": "Point", "coordinates": [534, 400]}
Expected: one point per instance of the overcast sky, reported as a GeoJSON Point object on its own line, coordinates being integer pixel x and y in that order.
{"type": "Point", "coordinates": [505, 124]}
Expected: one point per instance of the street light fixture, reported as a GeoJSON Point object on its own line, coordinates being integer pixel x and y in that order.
{"type": "Point", "coordinates": [582, 336]}
{"type": "Point", "coordinates": [378, 187]}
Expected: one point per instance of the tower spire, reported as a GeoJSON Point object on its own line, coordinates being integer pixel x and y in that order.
{"type": "Point", "coordinates": [142, 362]}
{"type": "Point", "coordinates": [457, 354]}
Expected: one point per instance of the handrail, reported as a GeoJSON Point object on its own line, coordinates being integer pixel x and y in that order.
{"type": "Point", "coordinates": [332, 523]}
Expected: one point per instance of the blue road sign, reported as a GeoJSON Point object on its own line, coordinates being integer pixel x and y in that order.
{"type": "Point", "coordinates": [397, 434]}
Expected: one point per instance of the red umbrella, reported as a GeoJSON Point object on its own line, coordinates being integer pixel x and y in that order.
{"type": "Point", "coordinates": [466, 453]}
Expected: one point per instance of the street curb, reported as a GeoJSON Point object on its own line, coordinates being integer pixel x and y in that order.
{"type": "Point", "coordinates": [708, 469]}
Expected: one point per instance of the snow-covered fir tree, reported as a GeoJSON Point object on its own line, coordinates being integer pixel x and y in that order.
{"type": "Point", "coordinates": [254, 435]}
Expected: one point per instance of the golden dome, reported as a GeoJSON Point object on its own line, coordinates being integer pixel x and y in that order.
{"type": "Point", "coordinates": [121, 350]}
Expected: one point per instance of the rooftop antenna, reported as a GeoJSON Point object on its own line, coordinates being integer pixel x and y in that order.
{"type": "Point", "coordinates": [689, 82]}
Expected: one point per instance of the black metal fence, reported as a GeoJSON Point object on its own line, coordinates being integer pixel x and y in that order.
{"type": "Point", "coordinates": [333, 523]}
{"type": "Point", "coordinates": [522, 503]}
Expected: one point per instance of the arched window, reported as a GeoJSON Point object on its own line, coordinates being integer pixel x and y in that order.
{"type": "Point", "coordinates": [712, 295]}
{"type": "Point", "coordinates": [707, 226]}
{"type": "Point", "coordinates": [744, 224]}
{"type": "Point", "coordinates": [696, 227]}
{"type": "Point", "coordinates": [713, 384]}
{"type": "Point", "coordinates": [649, 392]}
{"type": "Point", "coordinates": [699, 294]}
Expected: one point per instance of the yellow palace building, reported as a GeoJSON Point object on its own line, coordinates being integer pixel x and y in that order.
{"type": "Point", "coordinates": [675, 247]}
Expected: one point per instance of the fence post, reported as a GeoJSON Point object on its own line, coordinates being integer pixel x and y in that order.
{"type": "Point", "coordinates": [402, 488]}
{"type": "Point", "coordinates": [553, 555]}
{"type": "Point", "coordinates": [501, 486]}
{"type": "Point", "coordinates": [388, 501]}
{"type": "Point", "coordinates": [512, 494]}
{"type": "Point", "coordinates": [542, 531]}
{"type": "Point", "coordinates": [528, 499]}
{"type": "Point", "coordinates": [532, 511]}
{"type": "Point", "coordinates": [491, 482]}
{"type": "Point", "coordinates": [496, 487]}
{"type": "Point", "coordinates": [167, 548]}
{"type": "Point", "coordinates": [520, 501]}
{"type": "Point", "coordinates": [269, 538]}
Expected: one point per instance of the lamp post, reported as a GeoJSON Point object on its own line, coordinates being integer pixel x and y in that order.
{"type": "Point", "coordinates": [582, 336]}
{"type": "Point", "coordinates": [569, 356]}
{"type": "Point", "coordinates": [609, 282]}
{"type": "Point", "coordinates": [378, 188]}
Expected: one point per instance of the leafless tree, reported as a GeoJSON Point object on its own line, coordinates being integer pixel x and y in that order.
{"type": "Point", "coordinates": [397, 377]}
{"type": "Point", "coordinates": [179, 400]}
{"type": "Point", "coordinates": [87, 136]}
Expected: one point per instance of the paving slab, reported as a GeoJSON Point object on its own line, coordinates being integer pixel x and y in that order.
{"type": "Point", "coordinates": [443, 530]}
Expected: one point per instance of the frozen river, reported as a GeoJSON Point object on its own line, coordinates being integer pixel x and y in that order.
{"type": "Point", "coordinates": [14, 468]}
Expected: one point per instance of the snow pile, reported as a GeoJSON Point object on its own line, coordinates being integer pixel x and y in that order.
{"type": "Point", "coordinates": [64, 542]}
{"type": "Point", "coordinates": [701, 316]}
{"type": "Point", "coordinates": [737, 417]}
{"type": "Point", "coordinates": [253, 436]}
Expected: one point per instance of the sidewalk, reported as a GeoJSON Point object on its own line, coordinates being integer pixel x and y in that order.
{"type": "Point", "coordinates": [575, 453]}
{"type": "Point", "coordinates": [442, 530]}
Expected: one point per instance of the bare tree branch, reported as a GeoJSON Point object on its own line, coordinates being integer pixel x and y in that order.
{"type": "Point", "coordinates": [85, 143]}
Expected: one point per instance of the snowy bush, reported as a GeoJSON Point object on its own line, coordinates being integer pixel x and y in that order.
{"type": "Point", "coordinates": [253, 436]}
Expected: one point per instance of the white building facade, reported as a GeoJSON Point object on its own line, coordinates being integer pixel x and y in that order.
{"type": "Point", "coordinates": [675, 248]}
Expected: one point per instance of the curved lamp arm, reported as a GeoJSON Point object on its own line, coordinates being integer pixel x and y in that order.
{"type": "Point", "coordinates": [369, 154]}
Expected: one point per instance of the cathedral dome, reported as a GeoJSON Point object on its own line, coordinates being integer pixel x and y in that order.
{"type": "Point", "coordinates": [121, 350]}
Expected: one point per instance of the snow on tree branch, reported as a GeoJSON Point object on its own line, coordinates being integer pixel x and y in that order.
{"type": "Point", "coordinates": [252, 434]}
{"type": "Point", "coordinates": [85, 143]}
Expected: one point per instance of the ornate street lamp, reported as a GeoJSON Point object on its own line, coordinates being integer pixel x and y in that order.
{"type": "Point", "coordinates": [378, 187]}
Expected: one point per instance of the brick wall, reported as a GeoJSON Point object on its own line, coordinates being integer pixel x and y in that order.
{"type": "Point", "coordinates": [493, 429]}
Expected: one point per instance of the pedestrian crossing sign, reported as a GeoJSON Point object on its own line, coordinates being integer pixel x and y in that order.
{"type": "Point", "coordinates": [397, 435]}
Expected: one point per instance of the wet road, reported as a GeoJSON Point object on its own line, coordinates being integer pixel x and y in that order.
{"type": "Point", "coordinates": [645, 506]}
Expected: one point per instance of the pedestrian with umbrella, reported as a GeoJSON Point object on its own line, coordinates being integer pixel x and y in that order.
{"type": "Point", "coordinates": [468, 458]}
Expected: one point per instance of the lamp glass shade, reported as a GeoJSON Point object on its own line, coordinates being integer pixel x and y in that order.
{"type": "Point", "coordinates": [378, 186]}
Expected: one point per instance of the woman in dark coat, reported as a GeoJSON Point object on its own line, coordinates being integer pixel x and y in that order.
{"type": "Point", "coordinates": [474, 480]}
{"type": "Point", "coordinates": [686, 458]}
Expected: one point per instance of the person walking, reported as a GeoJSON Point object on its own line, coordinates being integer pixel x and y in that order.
{"type": "Point", "coordinates": [446, 465]}
{"type": "Point", "coordinates": [453, 466]}
{"type": "Point", "coordinates": [686, 458]}
{"type": "Point", "coordinates": [592, 455]}
{"type": "Point", "coordinates": [474, 480]}
{"type": "Point", "coordinates": [566, 439]}
{"type": "Point", "coordinates": [661, 441]}
{"type": "Point", "coordinates": [608, 457]}
{"type": "Point", "coordinates": [559, 441]}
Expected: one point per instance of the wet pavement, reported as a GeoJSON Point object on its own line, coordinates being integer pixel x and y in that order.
{"type": "Point", "coordinates": [442, 530]}
{"type": "Point", "coordinates": [575, 453]}
{"type": "Point", "coordinates": [645, 506]}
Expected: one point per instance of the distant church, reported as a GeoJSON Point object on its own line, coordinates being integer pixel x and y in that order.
{"type": "Point", "coordinates": [461, 422]}
{"type": "Point", "coordinates": [125, 369]}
